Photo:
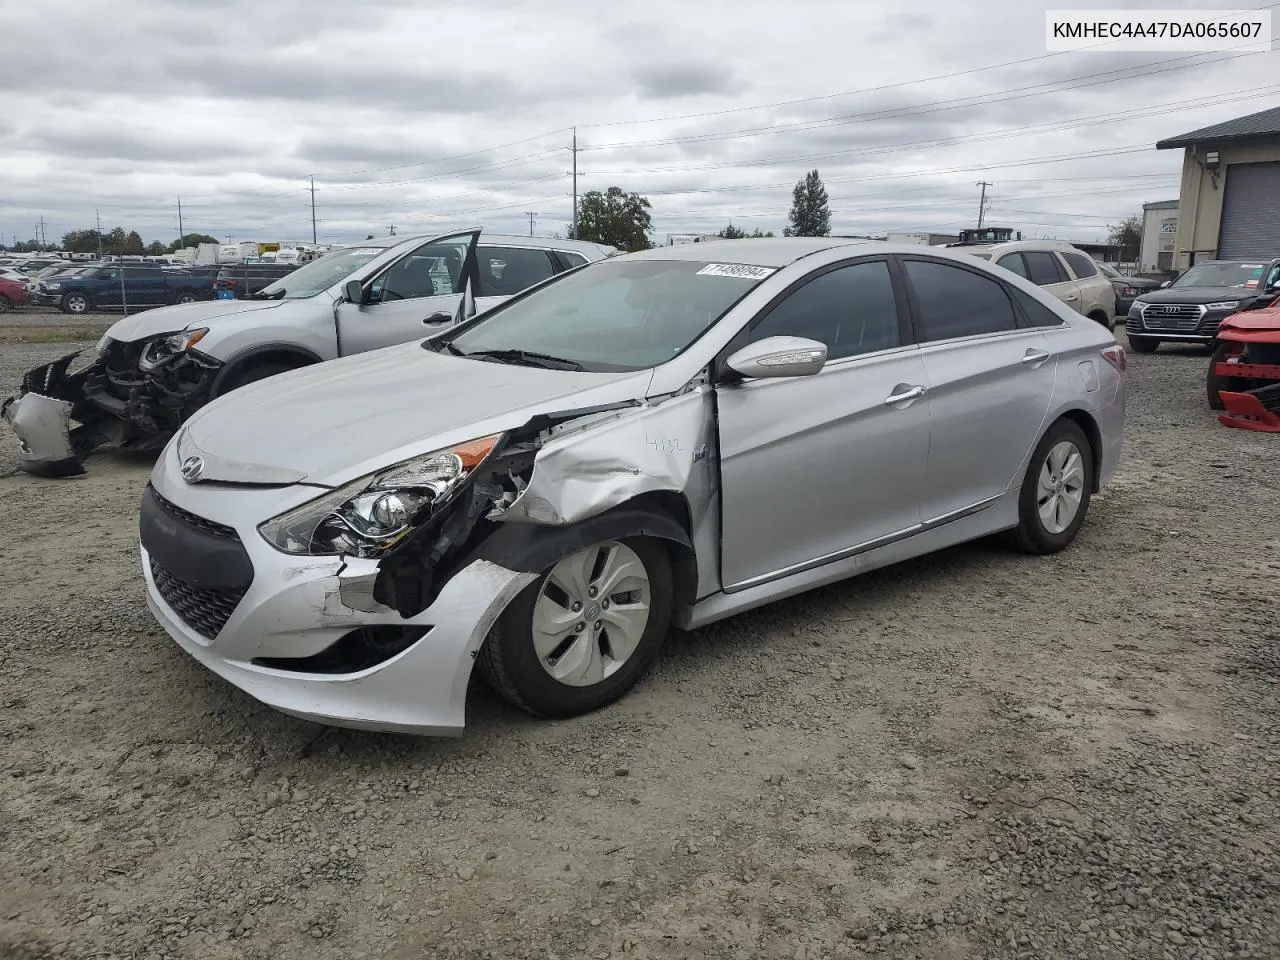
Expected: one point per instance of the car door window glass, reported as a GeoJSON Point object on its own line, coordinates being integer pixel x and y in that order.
{"type": "Point", "coordinates": [954, 302]}
{"type": "Point", "coordinates": [572, 259]}
{"type": "Point", "coordinates": [430, 271]}
{"type": "Point", "coordinates": [1042, 268]}
{"type": "Point", "coordinates": [1038, 315]}
{"type": "Point", "coordinates": [1013, 261]}
{"type": "Point", "coordinates": [505, 271]}
{"type": "Point", "coordinates": [1083, 267]}
{"type": "Point", "coordinates": [851, 309]}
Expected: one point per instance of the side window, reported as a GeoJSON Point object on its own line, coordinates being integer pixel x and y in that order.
{"type": "Point", "coordinates": [430, 271]}
{"type": "Point", "coordinates": [954, 302]}
{"type": "Point", "coordinates": [571, 260]}
{"type": "Point", "coordinates": [505, 271]}
{"type": "Point", "coordinates": [1013, 261]}
{"type": "Point", "coordinates": [1038, 315]}
{"type": "Point", "coordinates": [851, 309]}
{"type": "Point", "coordinates": [1082, 266]}
{"type": "Point", "coordinates": [1042, 268]}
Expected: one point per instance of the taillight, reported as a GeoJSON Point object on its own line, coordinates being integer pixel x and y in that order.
{"type": "Point", "coordinates": [1115, 356]}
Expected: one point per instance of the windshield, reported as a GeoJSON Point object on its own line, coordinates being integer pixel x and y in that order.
{"type": "Point", "coordinates": [613, 315]}
{"type": "Point", "coordinates": [1226, 274]}
{"type": "Point", "coordinates": [319, 275]}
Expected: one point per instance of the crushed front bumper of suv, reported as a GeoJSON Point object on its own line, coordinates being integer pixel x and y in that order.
{"type": "Point", "coordinates": [112, 401]}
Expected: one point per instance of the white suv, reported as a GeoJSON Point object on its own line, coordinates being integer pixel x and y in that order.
{"type": "Point", "coordinates": [1065, 271]}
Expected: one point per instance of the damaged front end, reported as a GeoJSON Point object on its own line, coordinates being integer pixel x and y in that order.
{"type": "Point", "coordinates": [130, 395]}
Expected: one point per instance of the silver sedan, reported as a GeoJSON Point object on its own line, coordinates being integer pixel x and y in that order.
{"type": "Point", "coordinates": [664, 438]}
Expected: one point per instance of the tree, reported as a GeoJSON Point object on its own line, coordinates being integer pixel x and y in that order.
{"type": "Point", "coordinates": [732, 233]}
{"type": "Point", "coordinates": [133, 244]}
{"type": "Point", "coordinates": [80, 241]}
{"type": "Point", "coordinates": [156, 249]}
{"type": "Point", "coordinates": [615, 218]}
{"type": "Point", "coordinates": [114, 240]}
{"type": "Point", "coordinates": [190, 240]}
{"type": "Point", "coordinates": [1127, 235]}
{"type": "Point", "coordinates": [810, 215]}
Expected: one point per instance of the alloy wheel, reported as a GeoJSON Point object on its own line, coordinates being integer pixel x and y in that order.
{"type": "Point", "coordinates": [1061, 487]}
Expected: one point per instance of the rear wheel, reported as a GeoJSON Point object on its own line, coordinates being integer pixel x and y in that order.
{"type": "Point", "coordinates": [1056, 490]}
{"type": "Point", "coordinates": [1102, 318]}
{"type": "Point", "coordinates": [1143, 344]}
{"type": "Point", "coordinates": [5, 305]}
{"type": "Point", "coordinates": [581, 635]}
{"type": "Point", "coordinates": [1213, 383]}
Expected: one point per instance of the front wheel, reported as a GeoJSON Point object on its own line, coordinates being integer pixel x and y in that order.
{"type": "Point", "coordinates": [1056, 490]}
{"type": "Point", "coordinates": [581, 635]}
{"type": "Point", "coordinates": [1213, 383]}
{"type": "Point", "coordinates": [5, 305]}
{"type": "Point", "coordinates": [252, 372]}
{"type": "Point", "coordinates": [1143, 344]}
{"type": "Point", "coordinates": [76, 303]}
{"type": "Point", "coordinates": [185, 298]}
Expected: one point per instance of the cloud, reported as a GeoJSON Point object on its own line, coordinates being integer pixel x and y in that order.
{"type": "Point", "coordinates": [455, 113]}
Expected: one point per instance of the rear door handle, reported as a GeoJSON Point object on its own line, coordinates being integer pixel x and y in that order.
{"type": "Point", "coordinates": [1071, 296]}
{"type": "Point", "coordinates": [912, 393]}
{"type": "Point", "coordinates": [1035, 356]}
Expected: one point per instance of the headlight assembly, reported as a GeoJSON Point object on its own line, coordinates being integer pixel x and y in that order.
{"type": "Point", "coordinates": [1223, 305]}
{"type": "Point", "coordinates": [166, 347]}
{"type": "Point", "coordinates": [370, 515]}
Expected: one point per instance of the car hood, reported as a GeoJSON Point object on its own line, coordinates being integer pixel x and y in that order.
{"type": "Point", "coordinates": [1266, 320]}
{"type": "Point", "coordinates": [1139, 283]}
{"type": "Point", "coordinates": [161, 320]}
{"type": "Point", "coordinates": [332, 422]}
{"type": "Point", "coordinates": [1198, 294]}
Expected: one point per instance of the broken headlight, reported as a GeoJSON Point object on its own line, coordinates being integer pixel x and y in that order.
{"type": "Point", "coordinates": [164, 348]}
{"type": "Point", "coordinates": [368, 516]}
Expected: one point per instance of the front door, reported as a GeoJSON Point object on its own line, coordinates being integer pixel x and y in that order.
{"type": "Point", "coordinates": [412, 298]}
{"type": "Point", "coordinates": [816, 468]}
{"type": "Point", "coordinates": [990, 380]}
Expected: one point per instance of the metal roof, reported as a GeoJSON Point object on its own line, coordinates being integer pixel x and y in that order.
{"type": "Point", "coordinates": [1161, 205]}
{"type": "Point", "coordinates": [1255, 126]}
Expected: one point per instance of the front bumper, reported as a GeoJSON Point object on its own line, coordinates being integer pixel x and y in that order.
{"type": "Point", "coordinates": [43, 299]}
{"type": "Point", "coordinates": [291, 610]}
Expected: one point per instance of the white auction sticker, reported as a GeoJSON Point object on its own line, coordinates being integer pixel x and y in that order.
{"type": "Point", "coordinates": [740, 270]}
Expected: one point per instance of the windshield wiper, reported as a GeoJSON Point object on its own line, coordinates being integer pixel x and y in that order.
{"type": "Point", "coordinates": [527, 357]}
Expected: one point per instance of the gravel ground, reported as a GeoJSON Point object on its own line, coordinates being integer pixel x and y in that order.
{"type": "Point", "coordinates": [973, 755]}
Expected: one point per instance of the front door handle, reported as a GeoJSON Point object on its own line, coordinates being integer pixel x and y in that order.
{"type": "Point", "coordinates": [1034, 357]}
{"type": "Point", "coordinates": [1071, 296]}
{"type": "Point", "coordinates": [438, 318]}
{"type": "Point", "coordinates": [911, 393]}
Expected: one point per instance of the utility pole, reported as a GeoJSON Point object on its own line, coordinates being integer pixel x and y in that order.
{"type": "Point", "coordinates": [982, 201]}
{"type": "Point", "coordinates": [98, 218]}
{"type": "Point", "coordinates": [530, 214]}
{"type": "Point", "coordinates": [180, 233]}
{"type": "Point", "coordinates": [44, 237]}
{"type": "Point", "coordinates": [393, 230]}
{"type": "Point", "coordinates": [313, 210]}
{"type": "Point", "coordinates": [574, 173]}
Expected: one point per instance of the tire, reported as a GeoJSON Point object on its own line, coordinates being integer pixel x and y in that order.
{"type": "Point", "coordinates": [185, 298]}
{"type": "Point", "coordinates": [1032, 534]}
{"type": "Point", "coordinates": [76, 303]}
{"type": "Point", "coordinates": [1143, 344]}
{"type": "Point", "coordinates": [1102, 318]}
{"type": "Point", "coordinates": [513, 668]}
{"type": "Point", "coordinates": [5, 305]}
{"type": "Point", "coordinates": [252, 372]}
{"type": "Point", "coordinates": [1213, 383]}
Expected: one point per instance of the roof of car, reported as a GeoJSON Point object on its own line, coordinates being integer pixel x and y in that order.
{"type": "Point", "coordinates": [758, 251]}
{"type": "Point", "coordinates": [1012, 246]}
{"type": "Point", "coordinates": [486, 238]}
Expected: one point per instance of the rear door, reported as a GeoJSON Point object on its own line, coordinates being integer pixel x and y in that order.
{"type": "Point", "coordinates": [417, 295]}
{"type": "Point", "coordinates": [502, 271]}
{"type": "Point", "coordinates": [991, 378]}
{"type": "Point", "coordinates": [1046, 270]}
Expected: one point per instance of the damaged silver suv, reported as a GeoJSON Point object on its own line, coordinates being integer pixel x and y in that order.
{"type": "Point", "coordinates": [153, 370]}
{"type": "Point", "coordinates": [665, 437]}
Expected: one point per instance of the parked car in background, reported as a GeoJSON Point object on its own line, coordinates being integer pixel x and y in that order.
{"type": "Point", "coordinates": [1190, 308]}
{"type": "Point", "coordinates": [114, 285]}
{"type": "Point", "coordinates": [668, 437]}
{"type": "Point", "coordinates": [153, 370]}
{"type": "Point", "coordinates": [1064, 271]}
{"type": "Point", "coordinates": [35, 264]}
{"type": "Point", "coordinates": [12, 294]}
{"type": "Point", "coordinates": [1127, 288]}
{"type": "Point", "coordinates": [238, 280]}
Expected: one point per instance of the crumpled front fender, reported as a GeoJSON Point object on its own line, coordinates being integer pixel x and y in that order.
{"type": "Point", "coordinates": [40, 416]}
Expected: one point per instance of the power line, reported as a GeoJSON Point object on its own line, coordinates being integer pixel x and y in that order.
{"type": "Point", "coordinates": [982, 201]}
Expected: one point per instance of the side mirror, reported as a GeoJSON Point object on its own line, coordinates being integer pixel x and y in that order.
{"type": "Point", "coordinates": [1165, 284]}
{"type": "Point", "coordinates": [354, 291]}
{"type": "Point", "coordinates": [779, 357]}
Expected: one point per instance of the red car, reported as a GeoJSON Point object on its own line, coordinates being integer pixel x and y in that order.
{"type": "Point", "coordinates": [1244, 373]}
{"type": "Point", "coordinates": [12, 295]}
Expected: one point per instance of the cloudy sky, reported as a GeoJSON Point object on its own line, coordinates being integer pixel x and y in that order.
{"type": "Point", "coordinates": [437, 115]}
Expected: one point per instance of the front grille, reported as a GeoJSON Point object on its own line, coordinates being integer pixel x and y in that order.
{"type": "Point", "coordinates": [204, 611]}
{"type": "Point", "coordinates": [1174, 317]}
{"type": "Point", "coordinates": [200, 523]}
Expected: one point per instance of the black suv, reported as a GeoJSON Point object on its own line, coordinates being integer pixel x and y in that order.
{"type": "Point", "coordinates": [1189, 309]}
